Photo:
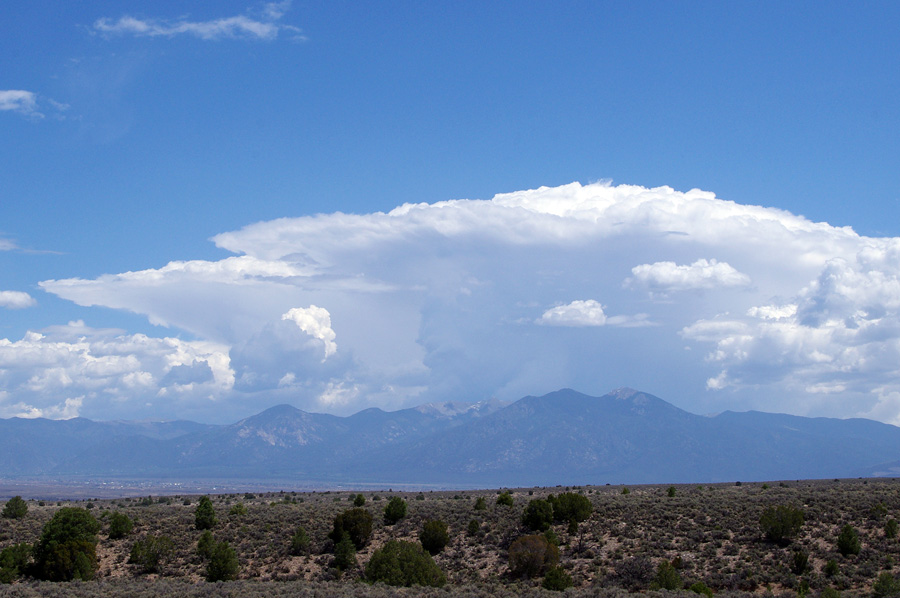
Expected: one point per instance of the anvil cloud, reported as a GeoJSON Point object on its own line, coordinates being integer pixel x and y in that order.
{"type": "Point", "coordinates": [698, 299]}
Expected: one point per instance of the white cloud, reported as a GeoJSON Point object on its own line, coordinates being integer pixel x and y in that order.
{"type": "Point", "coordinates": [104, 374]}
{"type": "Point", "coordinates": [65, 410]}
{"type": "Point", "coordinates": [266, 27]}
{"type": "Point", "coordinates": [19, 100]}
{"type": "Point", "coordinates": [576, 313]}
{"type": "Point", "coordinates": [842, 337]}
{"type": "Point", "coordinates": [440, 302]}
{"type": "Point", "coordinates": [16, 300]}
{"type": "Point", "coordinates": [29, 104]}
{"type": "Point", "coordinates": [701, 275]}
{"type": "Point", "coordinates": [588, 313]}
{"type": "Point", "coordinates": [316, 322]}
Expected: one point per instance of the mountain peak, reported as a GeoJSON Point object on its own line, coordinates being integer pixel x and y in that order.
{"type": "Point", "coordinates": [624, 393]}
{"type": "Point", "coordinates": [457, 408]}
{"type": "Point", "coordinates": [278, 411]}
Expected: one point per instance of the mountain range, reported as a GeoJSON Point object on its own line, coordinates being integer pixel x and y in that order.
{"type": "Point", "coordinates": [564, 437]}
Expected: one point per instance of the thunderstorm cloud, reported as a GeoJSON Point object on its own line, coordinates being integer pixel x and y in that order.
{"type": "Point", "coordinates": [683, 294]}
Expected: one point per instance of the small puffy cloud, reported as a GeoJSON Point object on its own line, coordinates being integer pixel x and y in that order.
{"type": "Point", "coordinates": [577, 313]}
{"type": "Point", "coordinates": [19, 100]}
{"type": "Point", "coordinates": [16, 300]}
{"type": "Point", "coordinates": [589, 313]}
{"type": "Point", "coordinates": [439, 301]}
{"type": "Point", "coordinates": [65, 410]}
{"type": "Point", "coordinates": [27, 104]}
{"type": "Point", "coordinates": [701, 275]}
{"type": "Point", "coordinates": [264, 27]}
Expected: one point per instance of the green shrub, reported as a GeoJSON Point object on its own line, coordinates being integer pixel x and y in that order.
{"type": "Point", "coordinates": [538, 515]}
{"type": "Point", "coordinates": [886, 586]}
{"type": "Point", "coordinates": [357, 523]}
{"type": "Point", "coordinates": [530, 556]}
{"type": "Point", "coordinates": [799, 562]}
{"type": "Point", "coordinates": [667, 577]}
{"type": "Point", "coordinates": [473, 528]}
{"type": "Point", "coordinates": [299, 542]}
{"type": "Point", "coordinates": [879, 511]}
{"type": "Point", "coordinates": [698, 587]}
{"type": "Point", "coordinates": [434, 536]}
{"type": "Point", "coordinates": [848, 541]}
{"type": "Point", "coordinates": [120, 525]}
{"type": "Point", "coordinates": [829, 592]}
{"type": "Point", "coordinates": [552, 537]}
{"type": "Point", "coordinates": [831, 568]}
{"type": "Point", "coordinates": [394, 511]}
{"type": "Point", "coordinates": [67, 548]}
{"type": "Point", "coordinates": [204, 514]}
{"type": "Point", "coordinates": [205, 544]}
{"type": "Point", "coordinates": [505, 499]}
{"type": "Point", "coordinates": [15, 508]}
{"type": "Point", "coordinates": [400, 563]}
{"type": "Point", "coordinates": [14, 561]}
{"type": "Point", "coordinates": [670, 492]}
{"type": "Point", "coordinates": [890, 529]}
{"type": "Point", "coordinates": [151, 552]}
{"type": "Point", "coordinates": [634, 574]}
{"type": "Point", "coordinates": [570, 506]}
{"type": "Point", "coordinates": [359, 500]}
{"type": "Point", "coordinates": [223, 563]}
{"type": "Point", "coordinates": [344, 553]}
{"type": "Point", "coordinates": [480, 504]}
{"type": "Point", "coordinates": [557, 580]}
{"type": "Point", "coordinates": [781, 523]}
{"type": "Point", "coordinates": [238, 510]}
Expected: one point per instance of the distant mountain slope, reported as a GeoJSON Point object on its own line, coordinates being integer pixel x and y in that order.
{"type": "Point", "coordinates": [40, 446]}
{"type": "Point", "coordinates": [632, 437]}
{"type": "Point", "coordinates": [564, 437]}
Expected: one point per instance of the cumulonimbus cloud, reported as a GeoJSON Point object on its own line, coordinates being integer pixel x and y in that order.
{"type": "Point", "coordinates": [450, 300]}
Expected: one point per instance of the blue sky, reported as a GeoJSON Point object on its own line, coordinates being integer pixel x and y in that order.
{"type": "Point", "coordinates": [170, 141]}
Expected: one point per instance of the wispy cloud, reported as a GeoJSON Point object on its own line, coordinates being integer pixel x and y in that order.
{"type": "Point", "coordinates": [263, 26]}
{"type": "Point", "coordinates": [29, 104]}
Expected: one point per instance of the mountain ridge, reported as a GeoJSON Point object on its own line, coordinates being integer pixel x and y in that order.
{"type": "Point", "coordinates": [563, 437]}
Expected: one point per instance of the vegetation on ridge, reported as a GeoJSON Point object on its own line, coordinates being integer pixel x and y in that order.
{"type": "Point", "coordinates": [812, 538]}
